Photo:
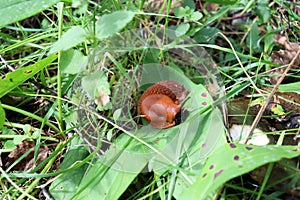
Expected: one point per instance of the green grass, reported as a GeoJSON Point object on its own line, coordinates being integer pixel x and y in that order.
{"type": "Point", "coordinates": [72, 74]}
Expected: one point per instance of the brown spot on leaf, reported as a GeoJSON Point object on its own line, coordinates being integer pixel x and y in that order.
{"type": "Point", "coordinates": [218, 173]}
{"type": "Point", "coordinates": [28, 71]}
{"type": "Point", "coordinates": [236, 157]}
{"type": "Point", "coordinates": [102, 99]}
{"type": "Point", "coordinates": [204, 94]}
{"type": "Point", "coordinates": [249, 148]}
{"type": "Point", "coordinates": [232, 145]}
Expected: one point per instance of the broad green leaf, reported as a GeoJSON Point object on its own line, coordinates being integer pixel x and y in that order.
{"type": "Point", "coordinates": [117, 114]}
{"type": "Point", "coordinates": [263, 11]}
{"type": "Point", "coordinates": [13, 79]}
{"type": "Point", "coordinates": [182, 29]}
{"type": "Point", "coordinates": [205, 34]}
{"type": "Point", "coordinates": [103, 181]}
{"type": "Point", "coordinates": [195, 16]}
{"type": "Point", "coordinates": [9, 144]}
{"type": "Point", "coordinates": [289, 87]}
{"type": "Point", "coordinates": [253, 39]}
{"type": "Point", "coordinates": [211, 136]}
{"type": "Point", "coordinates": [112, 23]}
{"type": "Point", "coordinates": [18, 139]}
{"type": "Point", "coordinates": [75, 35]}
{"type": "Point", "coordinates": [98, 89]}
{"type": "Point", "coordinates": [27, 129]}
{"type": "Point", "coordinates": [64, 186]}
{"type": "Point", "coordinates": [189, 3]}
{"type": "Point", "coordinates": [16, 10]}
{"type": "Point", "coordinates": [180, 11]}
{"type": "Point", "coordinates": [2, 116]}
{"type": "Point", "coordinates": [72, 61]}
{"type": "Point", "coordinates": [232, 160]}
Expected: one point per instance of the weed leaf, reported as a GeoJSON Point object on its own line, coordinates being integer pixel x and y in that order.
{"type": "Point", "coordinates": [71, 38]}
{"type": "Point", "coordinates": [13, 79]}
{"type": "Point", "coordinates": [16, 10]}
{"type": "Point", "coordinates": [72, 61]}
{"type": "Point", "coordinates": [232, 160]}
{"type": "Point", "coordinates": [112, 23]}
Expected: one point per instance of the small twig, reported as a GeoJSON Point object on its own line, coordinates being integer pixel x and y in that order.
{"type": "Point", "coordinates": [6, 64]}
{"type": "Point", "coordinates": [267, 101]}
{"type": "Point", "coordinates": [46, 193]}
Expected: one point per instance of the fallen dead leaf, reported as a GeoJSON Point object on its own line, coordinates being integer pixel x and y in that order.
{"type": "Point", "coordinates": [27, 162]}
{"type": "Point", "coordinates": [284, 57]}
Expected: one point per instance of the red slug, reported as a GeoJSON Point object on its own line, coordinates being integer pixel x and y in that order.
{"type": "Point", "coordinates": [159, 104]}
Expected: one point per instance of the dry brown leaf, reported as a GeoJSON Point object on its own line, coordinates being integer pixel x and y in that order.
{"type": "Point", "coordinates": [27, 162]}
{"type": "Point", "coordinates": [283, 41]}
{"type": "Point", "coordinates": [284, 57]}
{"type": "Point", "coordinates": [156, 5]}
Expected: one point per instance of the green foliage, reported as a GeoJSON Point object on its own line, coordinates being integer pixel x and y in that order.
{"type": "Point", "coordinates": [106, 26]}
{"type": "Point", "coordinates": [189, 161]}
{"type": "Point", "coordinates": [97, 87]}
{"type": "Point", "coordinates": [109, 24]}
{"type": "Point", "coordinates": [13, 79]}
{"type": "Point", "coordinates": [2, 116]}
{"type": "Point", "coordinates": [72, 61]}
{"type": "Point", "coordinates": [147, 145]}
{"type": "Point", "coordinates": [16, 10]}
{"type": "Point", "coordinates": [66, 185]}
{"type": "Point", "coordinates": [181, 29]}
{"type": "Point", "coordinates": [231, 160]}
{"type": "Point", "coordinates": [290, 87]}
{"type": "Point", "coordinates": [278, 110]}
{"type": "Point", "coordinates": [187, 13]}
{"type": "Point", "coordinates": [253, 39]}
{"type": "Point", "coordinates": [206, 34]}
{"type": "Point", "coordinates": [74, 36]}
{"type": "Point", "coordinates": [263, 11]}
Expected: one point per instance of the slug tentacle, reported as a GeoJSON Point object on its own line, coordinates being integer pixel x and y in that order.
{"type": "Point", "coordinates": [159, 104]}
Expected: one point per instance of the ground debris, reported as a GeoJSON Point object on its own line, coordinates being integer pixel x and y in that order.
{"type": "Point", "coordinates": [27, 162]}
{"type": "Point", "coordinates": [284, 56]}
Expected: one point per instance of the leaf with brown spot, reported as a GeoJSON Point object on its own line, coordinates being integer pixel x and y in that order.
{"type": "Point", "coordinates": [232, 160]}
{"type": "Point", "coordinates": [13, 79]}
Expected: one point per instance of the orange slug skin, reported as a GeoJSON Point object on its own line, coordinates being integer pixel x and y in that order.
{"type": "Point", "coordinates": [159, 104]}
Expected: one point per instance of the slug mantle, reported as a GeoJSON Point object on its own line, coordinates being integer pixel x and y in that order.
{"type": "Point", "coordinates": [159, 104]}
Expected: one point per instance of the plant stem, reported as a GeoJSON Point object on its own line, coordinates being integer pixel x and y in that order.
{"type": "Point", "coordinates": [59, 77]}
{"type": "Point", "coordinates": [5, 175]}
{"type": "Point", "coordinates": [31, 115]}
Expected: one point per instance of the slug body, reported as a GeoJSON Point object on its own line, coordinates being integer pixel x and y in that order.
{"type": "Point", "coordinates": [159, 104]}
